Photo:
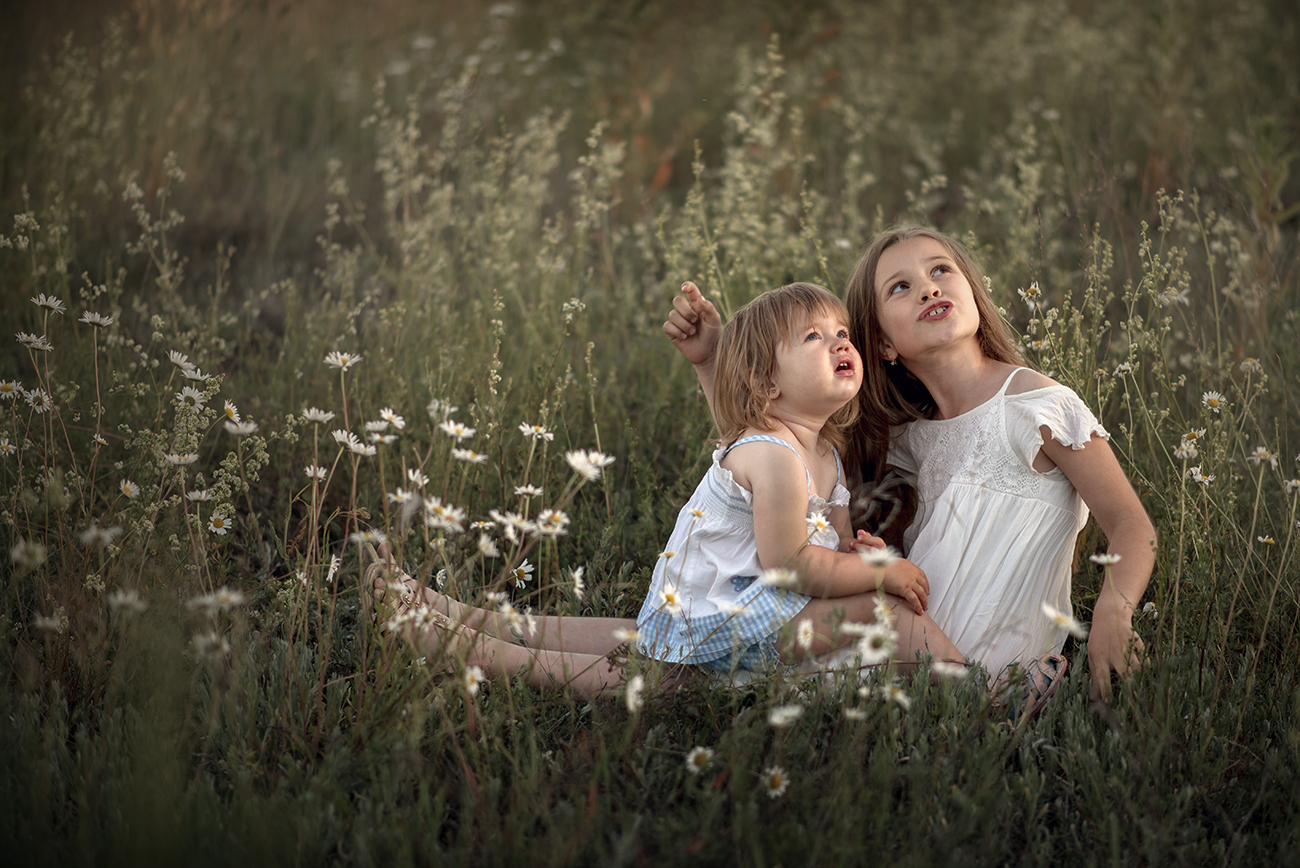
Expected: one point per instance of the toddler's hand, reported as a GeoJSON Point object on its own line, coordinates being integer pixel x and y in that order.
{"type": "Point", "coordinates": [863, 541]}
{"type": "Point", "coordinates": [906, 580]}
{"type": "Point", "coordinates": [693, 325]}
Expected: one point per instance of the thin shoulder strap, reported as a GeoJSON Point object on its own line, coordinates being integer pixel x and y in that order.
{"type": "Point", "coordinates": [1007, 384]}
{"type": "Point", "coordinates": [765, 438]}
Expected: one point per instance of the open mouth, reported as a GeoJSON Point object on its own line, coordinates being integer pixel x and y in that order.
{"type": "Point", "coordinates": [937, 311]}
{"type": "Point", "coordinates": [843, 366]}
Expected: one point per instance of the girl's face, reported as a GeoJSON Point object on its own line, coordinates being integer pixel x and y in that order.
{"type": "Point", "coordinates": [925, 303]}
{"type": "Point", "coordinates": [820, 369]}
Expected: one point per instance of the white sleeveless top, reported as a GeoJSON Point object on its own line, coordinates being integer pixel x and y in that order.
{"type": "Point", "coordinates": [994, 536]}
{"type": "Point", "coordinates": [727, 617]}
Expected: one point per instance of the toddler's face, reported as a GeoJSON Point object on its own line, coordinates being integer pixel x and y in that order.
{"type": "Point", "coordinates": [819, 367]}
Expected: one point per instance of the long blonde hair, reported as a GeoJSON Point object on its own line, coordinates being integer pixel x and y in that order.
{"type": "Point", "coordinates": [746, 361]}
{"type": "Point", "coordinates": [890, 395]}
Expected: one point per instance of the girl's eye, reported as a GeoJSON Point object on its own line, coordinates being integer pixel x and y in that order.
{"type": "Point", "coordinates": [812, 336]}
{"type": "Point", "coordinates": [896, 288]}
{"type": "Point", "coordinates": [940, 269]}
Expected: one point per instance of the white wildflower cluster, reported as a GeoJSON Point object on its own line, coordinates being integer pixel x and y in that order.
{"type": "Point", "coordinates": [588, 463]}
{"type": "Point", "coordinates": [443, 516]}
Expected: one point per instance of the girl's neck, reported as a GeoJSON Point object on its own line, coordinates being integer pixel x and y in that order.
{"type": "Point", "coordinates": [806, 430]}
{"type": "Point", "coordinates": [959, 379]}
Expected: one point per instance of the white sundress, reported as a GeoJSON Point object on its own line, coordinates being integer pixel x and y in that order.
{"type": "Point", "coordinates": [727, 618]}
{"type": "Point", "coordinates": [994, 536]}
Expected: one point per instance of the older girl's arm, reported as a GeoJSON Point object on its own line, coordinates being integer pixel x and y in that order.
{"type": "Point", "coordinates": [1095, 472]}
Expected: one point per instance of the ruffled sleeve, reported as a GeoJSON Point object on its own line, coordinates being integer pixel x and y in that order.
{"type": "Point", "coordinates": [1068, 419]}
{"type": "Point", "coordinates": [900, 453]}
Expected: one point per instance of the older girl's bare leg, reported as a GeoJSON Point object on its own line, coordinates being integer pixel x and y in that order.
{"type": "Point", "coordinates": [917, 634]}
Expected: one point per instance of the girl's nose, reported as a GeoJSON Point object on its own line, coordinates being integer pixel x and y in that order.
{"type": "Point", "coordinates": [931, 291]}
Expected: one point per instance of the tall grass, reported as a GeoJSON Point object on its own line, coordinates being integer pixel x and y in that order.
{"type": "Point", "coordinates": [491, 208]}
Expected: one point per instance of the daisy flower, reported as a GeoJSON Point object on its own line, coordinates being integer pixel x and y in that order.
{"type": "Point", "coordinates": [552, 522]}
{"type": "Point", "coordinates": [10, 389]}
{"type": "Point", "coordinates": [392, 418]}
{"type": "Point", "coordinates": [1262, 454]}
{"type": "Point", "coordinates": [670, 601]}
{"type": "Point", "coordinates": [948, 669]}
{"type": "Point", "coordinates": [190, 397]}
{"type": "Point", "coordinates": [775, 781]}
{"type": "Point", "coordinates": [1063, 620]}
{"type": "Point", "coordinates": [96, 536]}
{"type": "Point", "coordinates": [400, 496]}
{"type": "Point", "coordinates": [439, 411]}
{"type": "Point", "coordinates": [896, 694]}
{"type": "Point", "coordinates": [1186, 451]}
{"type": "Point", "coordinates": [818, 523]}
{"type": "Point", "coordinates": [128, 601]}
{"type": "Point", "coordinates": [1291, 485]}
{"type": "Point", "coordinates": [1213, 401]}
{"type": "Point", "coordinates": [1032, 296]}
{"type": "Point", "coordinates": [219, 525]}
{"type": "Point", "coordinates": [96, 319]}
{"type": "Point", "coordinates": [1266, 540]}
{"type": "Point", "coordinates": [1106, 559]}
{"type": "Point", "coordinates": [879, 556]}
{"type": "Point", "coordinates": [210, 644]}
{"type": "Point", "coordinates": [697, 514]}
{"type": "Point", "coordinates": [781, 716]}
{"type": "Point", "coordinates": [347, 439]}
{"type": "Point", "coordinates": [317, 415]}
{"type": "Point", "coordinates": [180, 360]}
{"type": "Point", "coordinates": [178, 460]}
{"type": "Point", "coordinates": [522, 574]}
{"type": "Point", "coordinates": [473, 678]}
{"type": "Point", "coordinates": [99, 438]}
{"type": "Point", "coordinates": [7, 448]}
{"type": "Point", "coordinates": [469, 456]}
{"type": "Point", "coordinates": [535, 432]}
{"type": "Point", "coordinates": [416, 477]}
{"type": "Point", "coordinates": [457, 430]}
{"type": "Point", "coordinates": [375, 537]}
{"type": "Point", "coordinates": [39, 400]}
{"type": "Point", "coordinates": [698, 759]}
{"type": "Point", "coordinates": [804, 634]}
{"type": "Point", "coordinates": [193, 373]}
{"type": "Point", "coordinates": [376, 426]}
{"type": "Point", "coordinates": [575, 575]}
{"type": "Point", "coordinates": [779, 577]}
{"type": "Point", "coordinates": [315, 472]}
{"type": "Point", "coordinates": [1195, 474]}
{"type": "Point", "coordinates": [633, 694]}
{"type": "Point", "coordinates": [1251, 366]}
{"type": "Point", "coordinates": [486, 547]}
{"type": "Point", "coordinates": [53, 624]}
{"type": "Point", "coordinates": [241, 429]}
{"type": "Point", "coordinates": [623, 634]}
{"type": "Point", "coordinates": [50, 302]}
{"type": "Point", "coordinates": [129, 488]}
{"type": "Point", "coordinates": [34, 342]}
{"type": "Point", "coordinates": [877, 644]}
{"type": "Point", "coordinates": [232, 412]}
{"type": "Point", "coordinates": [527, 491]}
{"type": "Point", "coordinates": [441, 516]}
{"type": "Point", "coordinates": [588, 464]}
{"type": "Point", "coordinates": [199, 495]}
{"type": "Point", "coordinates": [342, 361]}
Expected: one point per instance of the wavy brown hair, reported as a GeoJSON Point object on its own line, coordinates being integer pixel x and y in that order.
{"type": "Point", "coordinates": [746, 360]}
{"type": "Point", "coordinates": [890, 395]}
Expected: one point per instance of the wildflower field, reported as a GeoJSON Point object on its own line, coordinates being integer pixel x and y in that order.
{"type": "Point", "coordinates": [282, 278]}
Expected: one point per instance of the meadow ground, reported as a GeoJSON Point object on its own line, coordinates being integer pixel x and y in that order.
{"type": "Point", "coordinates": [233, 230]}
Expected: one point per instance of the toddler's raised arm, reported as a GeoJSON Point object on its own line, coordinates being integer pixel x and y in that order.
{"type": "Point", "coordinates": [694, 325]}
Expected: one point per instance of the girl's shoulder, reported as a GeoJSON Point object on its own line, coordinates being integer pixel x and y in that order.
{"type": "Point", "coordinates": [1029, 380]}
